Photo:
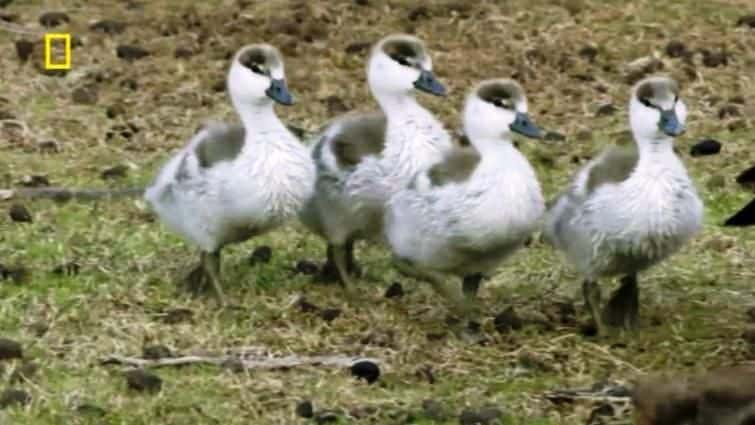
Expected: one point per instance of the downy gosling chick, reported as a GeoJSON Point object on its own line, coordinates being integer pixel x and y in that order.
{"type": "Point", "coordinates": [469, 212]}
{"type": "Point", "coordinates": [362, 159]}
{"type": "Point", "coordinates": [233, 182]}
{"type": "Point", "coordinates": [629, 208]}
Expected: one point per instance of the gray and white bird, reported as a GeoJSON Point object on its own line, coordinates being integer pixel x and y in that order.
{"type": "Point", "coordinates": [233, 182]}
{"type": "Point", "coordinates": [629, 208]}
{"type": "Point", "coordinates": [464, 215]}
{"type": "Point", "coordinates": [363, 159]}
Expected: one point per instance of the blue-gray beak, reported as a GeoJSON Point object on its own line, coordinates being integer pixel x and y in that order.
{"type": "Point", "coordinates": [524, 126]}
{"type": "Point", "coordinates": [670, 124]}
{"type": "Point", "coordinates": [428, 83]}
{"type": "Point", "coordinates": [278, 91]}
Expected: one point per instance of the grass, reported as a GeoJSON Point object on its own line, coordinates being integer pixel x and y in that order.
{"type": "Point", "coordinates": [693, 305]}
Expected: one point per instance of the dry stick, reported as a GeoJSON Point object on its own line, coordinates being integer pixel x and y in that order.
{"type": "Point", "coordinates": [66, 194]}
{"type": "Point", "coordinates": [244, 360]}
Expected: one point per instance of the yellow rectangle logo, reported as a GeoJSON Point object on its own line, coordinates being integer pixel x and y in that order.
{"type": "Point", "coordinates": [48, 51]}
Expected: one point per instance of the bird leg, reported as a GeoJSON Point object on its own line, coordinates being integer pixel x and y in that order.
{"type": "Point", "coordinates": [592, 296]}
{"type": "Point", "coordinates": [623, 308]}
{"type": "Point", "coordinates": [471, 284]}
{"type": "Point", "coordinates": [464, 306]}
{"type": "Point", "coordinates": [206, 272]}
{"type": "Point", "coordinates": [340, 259]}
{"type": "Point", "coordinates": [330, 272]}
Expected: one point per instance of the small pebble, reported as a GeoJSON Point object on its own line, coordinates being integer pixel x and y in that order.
{"type": "Point", "coordinates": [261, 255]}
{"type": "Point", "coordinates": [483, 416]}
{"type": "Point", "coordinates": [143, 381]}
{"type": "Point", "coordinates": [19, 214]}
{"type": "Point", "coordinates": [108, 26]}
{"type": "Point", "coordinates": [589, 53]}
{"type": "Point", "coordinates": [366, 370]}
{"type": "Point", "coordinates": [183, 53]}
{"type": "Point", "coordinates": [728, 111]}
{"type": "Point", "coordinates": [24, 49]}
{"type": "Point", "coordinates": [326, 417]}
{"type": "Point", "coordinates": [394, 291]}
{"type": "Point", "coordinates": [507, 321]}
{"type": "Point", "coordinates": [10, 349]}
{"type": "Point", "coordinates": [53, 19]}
{"type": "Point", "coordinates": [553, 136]}
{"type": "Point", "coordinates": [706, 147]}
{"type": "Point", "coordinates": [71, 268]}
{"type": "Point", "coordinates": [676, 49]}
{"type": "Point", "coordinates": [746, 21]}
{"type": "Point", "coordinates": [304, 409]}
{"type": "Point", "coordinates": [115, 172]}
{"type": "Point", "coordinates": [84, 96]}
{"type": "Point", "coordinates": [131, 53]}
{"type": "Point", "coordinates": [306, 267]}
{"type": "Point", "coordinates": [12, 397]}
{"type": "Point", "coordinates": [606, 110]}
{"type": "Point", "coordinates": [330, 314]}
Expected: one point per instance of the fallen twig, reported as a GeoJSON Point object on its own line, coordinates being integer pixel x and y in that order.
{"type": "Point", "coordinates": [65, 194]}
{"type": "Point", "coordinates": [254, 359]}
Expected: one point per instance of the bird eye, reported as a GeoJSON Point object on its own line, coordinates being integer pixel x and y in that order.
{"type": "Point", "coordinates": [647, 103]}
{"type": "Point", "coordinates": [501, 103]}
{"type": "Point", "coordinates": [257, 69]}
{"type": "Point", "coordinates": [401, 59]}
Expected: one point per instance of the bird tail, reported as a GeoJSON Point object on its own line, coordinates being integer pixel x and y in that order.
{"type": "Point", "coordinates": [62, 194]}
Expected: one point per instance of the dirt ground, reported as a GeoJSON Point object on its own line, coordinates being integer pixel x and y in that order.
{"type": "Point", "coordinates": [82, 281]}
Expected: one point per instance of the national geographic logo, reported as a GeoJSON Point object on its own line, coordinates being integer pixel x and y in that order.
{"type": "Point", "coordinates": [56, 63]}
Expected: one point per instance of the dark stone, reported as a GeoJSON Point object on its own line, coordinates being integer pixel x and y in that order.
{"type": "Point", "coordinates": [35, 180]}
{"type": "Point", "coordinates": [307, 307]}
{"type": "Point", "coordinates": [131, 53]}
{"type": "Point", "coordinates": [706, 147]}
{"type": "Point", "coordinates": [744, 217]}
{"type": "Point", "coordinates": [49, 146]}
{"type": "Point", "coordinates": [70, 268]}
{"type": "Point", "coordinates": [553, 136]}
{"type": "Point", "coordinates": [394, 291]}
{"type": "Point", "coordinates": [715, 59]}
{"type": "Point", "coordinates": [418, 13]}
{"type": "Point", "coordinates": [588, 329]}
{"type": "Point", "coordinates": [113, 111]}
{"type": "Point", "coordinates": [728, 111]}
{"type": "Point", "coordinates": [588, 53]}
{"type": "Point", "coordinates": [606, 110]}
{"type": "Point", "coordinates": [115, 172]}
{"type": "Point", "coordinates": [507, 321]}
{"type": "Point", "coordinates": [261, 255]}
{"type": "Point", "coordinates": [24, 49]}
{"type": "Point", "coordinates": [53, 19]}
{"type": "Point", "coordinates": [746, 21]}
{"type": "Point", "coordinates": [366, 370]}
{"type": "Point", "coordinates": [10, 349]}
{"type": "Point", "coordinates": [84, 95]}
{"type": "Point", "coordinates": [12, 397]}
{"type": "Point", "coordinates": [183, 53]}
{"type": "Point", "coordinates": [19, 214]}
{"type": "Point", "coordinates": [358, 47]}
{"type": "Point", "coordinates": [676, 49]}
{"type": "Point", "coordinates": [304, 409]}
{"type": "Point", "coordinates": [330, 314]}
{"type": "Point", "coordinates": [129, 83]}
{"type": "Point", "coordinates": [156, 352]}
{"type": "Point", "coordinates": [219, 86]}
{"type": "Point", "coordinates": [307, 267]}
{"type": "Point", "coordinates": [751, 314]}
{"type": "Point", "coordinates": [357, 2]}
{"type": "Point", "coordinates": [749, 335]}
{"type": "Point", "coordinates": [143, 381]}
{"type": "Point", "coordinates": [108, 26]}
{"type": "Point", "coordinates": [483, 416]}
{"type": "Point", "coordinates": [326, 417]}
